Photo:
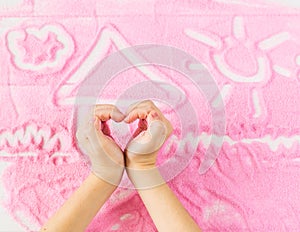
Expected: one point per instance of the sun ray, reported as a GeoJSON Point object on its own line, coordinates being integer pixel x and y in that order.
{"type": "Point", "coordinates": [274, 41]}
{"type": "Point", "coordinates": [238, 28]}
{"type": "Point", "coordinates": [205, 39]}
{"type": "Point", "coordinates": [255, 100]}
{"type": "Point", "coordinates": [282, 71]}
{"type": "Point", "coordinates": [258, 104]}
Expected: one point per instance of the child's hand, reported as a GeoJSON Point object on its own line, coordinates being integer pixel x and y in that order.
{"type": "Point", "coordinates": [153, 130]}
{"type": "Point", "coordinates": [95, 139]}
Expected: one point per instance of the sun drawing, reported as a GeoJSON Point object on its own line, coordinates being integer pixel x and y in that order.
{"type": "Point", "coordinates": [241, 60]}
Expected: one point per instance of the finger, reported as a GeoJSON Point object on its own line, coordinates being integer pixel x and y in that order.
{"type": "Point", "coordinates": [152, 116]}
{"type": "Point", "coordinates": [95, 136]}
{"type": "Point", "coordinates": [157, 130]}
{"type": "Point", "coordinates": [103, 125]}
{"type": "Point", "coordinates": [106, 112]}
{"type": "Point", "coordinates": [105, 128]}
{"type": "Point", "coordinates": [156, 125]}
{"type": "Point", "coordinates": [142, 126]}
{"type": "Point", "coordinates": [100, 134]}
{"type": "Point", "coordinates": [145, 104]}
{"type": "Point", "coordinates": [98, 128]}
{"type": "Point", "coordinates": [136, 132]}
{"type": "Point", "coordinates": [153, 138]}
{"type": "Point", "coordinates": [149, 141]}
{"type": "Point", "coordinates": [142, 112]}
{"type": "Point", "coordinates": [136, 113]}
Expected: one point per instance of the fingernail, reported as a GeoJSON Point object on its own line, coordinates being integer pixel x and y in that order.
{"type": "Point", "coordinates": [154, 114]}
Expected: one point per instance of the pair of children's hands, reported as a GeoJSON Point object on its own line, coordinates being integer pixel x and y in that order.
{"type": "Point", "coordinates": [107, 158]}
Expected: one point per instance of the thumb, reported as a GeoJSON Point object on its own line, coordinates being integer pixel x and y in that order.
{"type": "Point", "coordinates": [153, 115]}
{"type": "Point", "coordinates": [152, 139]}
{"type": "Point", "coordinates": [98, 128]}
{"type": "Point", "coordinates": [158, 133]}
{"type": "Point", "coordinates": [156, 127]}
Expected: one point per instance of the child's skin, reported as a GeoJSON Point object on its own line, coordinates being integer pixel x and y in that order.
{"type": "Point", "coordinates": [108, 164]}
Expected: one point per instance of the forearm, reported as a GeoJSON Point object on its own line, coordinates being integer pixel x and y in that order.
{"type": "Point", "coordinates": [81, 207]}
{"type": "Point", "coordinates": [165, 209]}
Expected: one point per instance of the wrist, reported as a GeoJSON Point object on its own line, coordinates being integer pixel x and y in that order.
{"type": "Point", "coordinates": [100, 181]}
{"type": "Point", "coordinates": [140, 166]}
{"type": "Point", "coordinates": [140, 161]}
{"type": "Point", "coordinates": [145, 178]}
{"type": "Point", "coordinates": [111, 175]}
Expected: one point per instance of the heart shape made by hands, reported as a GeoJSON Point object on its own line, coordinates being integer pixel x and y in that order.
{"type": "Point", "coordinates": [141, 132]}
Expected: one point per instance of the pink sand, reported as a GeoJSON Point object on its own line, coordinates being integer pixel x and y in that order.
{"type": "Point", "coordinates": [251, 48]}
